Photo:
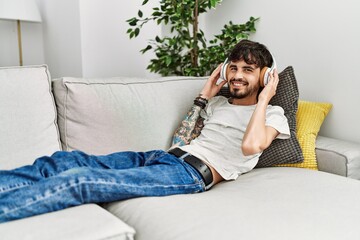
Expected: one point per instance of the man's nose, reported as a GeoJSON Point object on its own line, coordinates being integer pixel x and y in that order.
{"type": "Point", "coordinates": [238, 75]}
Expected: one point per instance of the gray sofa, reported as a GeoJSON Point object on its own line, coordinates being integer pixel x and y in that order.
{"type": "Point", "coordinates": [99, 116]}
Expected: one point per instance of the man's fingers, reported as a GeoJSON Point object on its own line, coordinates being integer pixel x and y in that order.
{"type": "Point", "coordinates": [217, 70]}
{"type": "Point", "coordinates": [215, 75]}
{"type": "Point", "coordinates": [276, 77]}
{"type": "Point", "coordinates": [222, 83]}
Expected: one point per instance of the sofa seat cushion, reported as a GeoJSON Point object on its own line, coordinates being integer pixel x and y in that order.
{"type": "Point", "coordinates": [83, 222]}
{"type": "Point", "coordinates": [28, 125]}
{"type": "Point", "coordinates": [266, 203]}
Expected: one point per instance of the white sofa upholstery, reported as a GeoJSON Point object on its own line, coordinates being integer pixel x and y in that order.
{"type": "Point", "coordinates": [28, 123]}
{"type": "Point", "coordinates": [28, 130]}
{"type": "Point", "coordinates": [267, 203]}
{"type": "Point", "coordinates": [83, 222]}
{"type": "Point", "coordinates": [105, 115]}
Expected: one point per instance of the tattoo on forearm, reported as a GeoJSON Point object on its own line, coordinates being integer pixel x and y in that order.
{"type": "Point", "coordinates": [189, 128]}
{"type": "Point", "coordinates": [198, 127]}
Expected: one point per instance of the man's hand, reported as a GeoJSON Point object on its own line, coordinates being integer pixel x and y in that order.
{"type": "Point", "coordinates": [211, 87]}
{"type": "Point", "coordinates": [270, 89]}
{"type": "Point", "coordinates": [257, 136]}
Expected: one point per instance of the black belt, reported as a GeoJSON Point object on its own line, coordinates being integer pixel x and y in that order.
{"type": "Point", "coordinates": [196, 163]}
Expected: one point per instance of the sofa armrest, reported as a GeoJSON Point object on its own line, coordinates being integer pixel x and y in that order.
{"type": "Point", "coordinates": [84, 222]}
{"type": "Point", "coordinates": [338, 156]}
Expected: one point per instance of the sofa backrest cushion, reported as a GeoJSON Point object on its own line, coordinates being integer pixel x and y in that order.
{"type": "Point", "coordinates": [28, 126]}
{"type": "Point", "coordinates": [101, 116]}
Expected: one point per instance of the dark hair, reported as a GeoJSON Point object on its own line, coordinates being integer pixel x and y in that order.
{"type": "Point", "coordinates": [252, 53]}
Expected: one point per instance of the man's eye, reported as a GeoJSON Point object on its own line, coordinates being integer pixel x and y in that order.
{"type": "Point", "coordinates": [248, 70]}
{"type": "Point", "coordinates": [233, 69]}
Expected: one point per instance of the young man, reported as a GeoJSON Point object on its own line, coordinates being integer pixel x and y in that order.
{"type": "Point", "coordinates": [220, 139]}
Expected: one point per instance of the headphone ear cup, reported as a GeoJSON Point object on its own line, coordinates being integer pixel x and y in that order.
{"type": "Point", "coordinates": [223, 71]}
{"type": "Point", "coordinates": [264, 74]}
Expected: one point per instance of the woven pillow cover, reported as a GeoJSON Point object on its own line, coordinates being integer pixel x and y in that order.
{"type": "Point", "coordinates": [287, 95]}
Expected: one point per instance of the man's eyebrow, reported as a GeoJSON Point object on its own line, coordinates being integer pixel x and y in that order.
{"type": "Point", "coordinates": [249, 66]}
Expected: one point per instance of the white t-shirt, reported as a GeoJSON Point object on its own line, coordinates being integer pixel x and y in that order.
{"type": "Point", "coordinates": [219, 143]}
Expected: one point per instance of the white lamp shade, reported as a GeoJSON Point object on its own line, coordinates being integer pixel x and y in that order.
{"type": "Point", "coordinates": [24, 10]}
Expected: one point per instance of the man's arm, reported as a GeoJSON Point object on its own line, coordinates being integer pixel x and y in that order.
{"type": "Point", "coordinates": [191, 126]}
{"type": "Point", "coordinates": [257, 136]}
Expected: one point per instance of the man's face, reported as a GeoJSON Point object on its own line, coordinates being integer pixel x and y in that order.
{"type": "Point", "coordinates": [243, 79]}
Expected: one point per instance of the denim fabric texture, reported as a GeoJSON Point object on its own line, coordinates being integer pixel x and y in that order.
{"type": "Point", "coordinates": [68, 179]}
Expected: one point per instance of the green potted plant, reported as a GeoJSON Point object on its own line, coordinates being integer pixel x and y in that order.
{"type": "Point", "coordinates": [186, 52]}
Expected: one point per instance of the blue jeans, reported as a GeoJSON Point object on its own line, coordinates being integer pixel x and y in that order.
{"type": "Point", "coordinates": [68, 179]}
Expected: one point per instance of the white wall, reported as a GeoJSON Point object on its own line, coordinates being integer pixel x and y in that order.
{"type": "Point", "coordinates": [32, 43]}
{"type": "Point", "coordinates": [81, 38]}
{"type": "Point", "coordinates": [86, 38]}
{"type": "Point", "coordinates": [62, 38]}
{"type": "Point", "coordinates": [318, 38]}
{"type": "Point", "coordinates": [8, 43]}
{"type": "Point", "coordinates": [107, 49]}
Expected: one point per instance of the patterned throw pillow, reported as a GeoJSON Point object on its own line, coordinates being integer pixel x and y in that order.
{"type": "Point", "coordinates": [285, 151]}
{"type": "Point", "coordinates": [282, 150]}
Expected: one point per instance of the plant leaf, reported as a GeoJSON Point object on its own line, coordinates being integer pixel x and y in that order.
{"type": "Point", "coordinates": [168, 60]}
{"type": "Point", "coordinates": [137, 31]}
{"type": "Point", "coordinates": [213, 3]}
{"type": "Point", "coordinates": [148, 47]}
{"type": "Point", "coordinates": [133, 22]}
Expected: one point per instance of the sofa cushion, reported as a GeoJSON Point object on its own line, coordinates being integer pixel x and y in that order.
{"type": "Point", "coordinates": [28, 116]}
{"type": "Point", "coordinates": [338, 156]}
{"type": "Point", "coordinates": [83, 222]}
{"type": "Point", "coordinates": [287, 95]}
{"type": "Point", "coordinates": [100, 116]}
{"type": "Point", "coordinates": [266, 203]}
{"type": "Point", "coordinates": [310, 117]}
{"type": "Point", "coordinates": [332, 162]}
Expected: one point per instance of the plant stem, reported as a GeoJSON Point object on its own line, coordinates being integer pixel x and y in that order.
{"type": "Point", "coordinates": [195, 31]}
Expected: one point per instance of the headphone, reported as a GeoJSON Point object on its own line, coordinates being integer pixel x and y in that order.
{"type": "Point", "coordinates": [264, 72]}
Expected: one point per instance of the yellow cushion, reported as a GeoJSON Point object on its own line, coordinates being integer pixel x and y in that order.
{"type": "Point", "coordinates": [309, 118]}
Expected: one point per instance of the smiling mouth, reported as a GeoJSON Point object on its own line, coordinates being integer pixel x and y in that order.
{"type": "Point", "coordinates": [237, 83]}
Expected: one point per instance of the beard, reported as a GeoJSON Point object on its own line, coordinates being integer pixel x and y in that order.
{"type": "Point", "coordinates": [242, 93]}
